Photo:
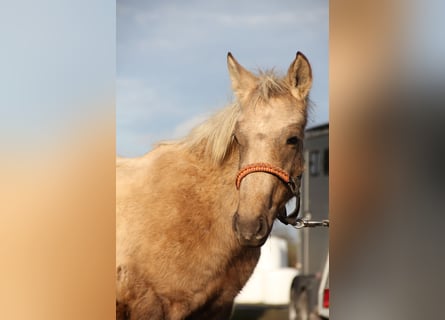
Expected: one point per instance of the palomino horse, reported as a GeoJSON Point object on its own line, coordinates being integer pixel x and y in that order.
{"type": "Point", "coordinates": [192, 214]}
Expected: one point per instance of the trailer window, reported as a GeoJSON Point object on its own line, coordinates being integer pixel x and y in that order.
{"type": "Point", "coordinates": [314, 160]}
{"type": "Point", "coordinates": [326, 162]}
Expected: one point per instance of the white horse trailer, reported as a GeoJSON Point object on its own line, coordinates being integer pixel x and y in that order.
{"type": "Point", "coordinates": [309, 294]}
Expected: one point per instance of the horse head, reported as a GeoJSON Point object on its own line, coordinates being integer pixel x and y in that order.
{"type": "Point", "coordinates": [269, 134]}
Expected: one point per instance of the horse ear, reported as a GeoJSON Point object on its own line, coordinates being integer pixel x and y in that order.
{"type": "Point", "coordinates": [299, 76]}
{"type": "Point", "coordinates": [242, 80]}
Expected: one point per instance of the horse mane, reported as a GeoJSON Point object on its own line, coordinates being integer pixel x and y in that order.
{"type": "Point", "coordinates": [269, 85]}
{"type": "Point", "coordinates": [215, 135]}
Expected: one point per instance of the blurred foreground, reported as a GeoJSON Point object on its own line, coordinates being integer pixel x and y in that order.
{"type": "Point", "coordinates": [260, 312]}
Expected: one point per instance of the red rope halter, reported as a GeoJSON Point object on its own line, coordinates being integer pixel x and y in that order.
{"type": "Point", "coordinates": [261, 167]}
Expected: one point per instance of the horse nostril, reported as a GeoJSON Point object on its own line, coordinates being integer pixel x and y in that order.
{"type": "Point", "coordinates": [260, 225]}
{"type": "Point", "coordinates": [235, 222]}
{"type": "Point", "coordinates": [262, 228]}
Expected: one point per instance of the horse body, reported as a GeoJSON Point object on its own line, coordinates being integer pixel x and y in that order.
{"type": "Point", "coordinates": [179, 278]}
{"type": "Point", "coordinates": [187, 239]}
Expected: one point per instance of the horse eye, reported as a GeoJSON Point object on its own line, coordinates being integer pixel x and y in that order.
{"type": "Point", "coordinates": [292, 140]}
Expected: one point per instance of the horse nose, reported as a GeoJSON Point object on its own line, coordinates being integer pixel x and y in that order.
{"type": "Point", "coordinates": [250, 232]}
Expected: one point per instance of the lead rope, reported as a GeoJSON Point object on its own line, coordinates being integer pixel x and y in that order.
{"type": "Point", "coordinates": [302, 223]}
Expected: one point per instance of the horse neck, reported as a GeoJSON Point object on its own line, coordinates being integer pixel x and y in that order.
{"type": "Point", "coordinates": [217, 190]}
{"type": "Point", "coordinates": [219, 183]}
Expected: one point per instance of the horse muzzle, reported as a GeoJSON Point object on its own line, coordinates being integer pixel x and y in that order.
{"type": "Point", "coordinates": [292, 183]}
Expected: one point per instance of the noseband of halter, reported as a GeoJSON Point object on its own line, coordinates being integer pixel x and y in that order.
{"type": "Point", "coordinates": [292, 183]}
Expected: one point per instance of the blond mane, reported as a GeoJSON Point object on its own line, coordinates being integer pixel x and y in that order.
{"type": "Point", "coordinates": [215, 135]}
{"type": "Point", "coordinates": [270, 85]}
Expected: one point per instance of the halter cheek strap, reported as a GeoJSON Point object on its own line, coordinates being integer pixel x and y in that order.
{"type": "Point", "coordinates": [283, 176]}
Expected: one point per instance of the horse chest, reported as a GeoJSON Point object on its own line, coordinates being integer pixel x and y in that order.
{"type": "Point", "coordinates": [211, 279]}
{"type": "Point", "coordinates": [242, 267]}
{"type": "Point", "coordinates": [215, 299]}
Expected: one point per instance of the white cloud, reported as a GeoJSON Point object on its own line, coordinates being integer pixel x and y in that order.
{"type": "Point", "coordinates": [133, 96]}
{"type": "Point", "coordinates": [165, 24]}
{"type": "Point", "coordinates": [183, 128]}
{"type": "Point", "coordinates": [272, 20]}
{"type": "Point", "coordinates": [135, 99]}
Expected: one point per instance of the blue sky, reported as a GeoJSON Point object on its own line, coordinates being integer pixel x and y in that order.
{"type": "Point", "coordinates": [171, 59]}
